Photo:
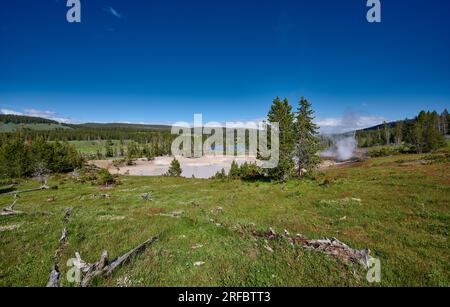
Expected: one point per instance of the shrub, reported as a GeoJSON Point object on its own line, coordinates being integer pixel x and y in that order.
{"type": "Point", "coordinates": [250, 171]}
{"type": "Point", "coordinates": [220, 175]}
{"type": "Point", "coordinates": [247, 171]}
{"type": "Point", "coordinates": [234, 172]}
{"type": "Point", "coordinates": [104, 177]}
{"type": "Point", "coordinates": [440, 158]}
{"type": "Point", "coordinates": [175, 169]}
{"type": "Point", "coordinates": [123, 162]}
{"type": "Point", "coordinates": [387, 151]}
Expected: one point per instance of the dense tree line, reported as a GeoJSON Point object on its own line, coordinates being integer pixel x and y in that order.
{"type": "Point", "coordinates": [92, 134]}
{"type": "Point", "coordinates": [20, 157]}
{"type": "Point", "coordinates": [425, 133]}
{"type": "Point", "coordinates": [134, 150]}
{"type": "Point", "coordinates": [19, 119]}
{"type": "Point", "coordinates": [150, 143]}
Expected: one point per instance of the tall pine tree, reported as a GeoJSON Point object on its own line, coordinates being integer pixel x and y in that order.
{"type": "Point", "coordinates": [306, 138]}
{"type": "Point", "coordinates": [281, 113]}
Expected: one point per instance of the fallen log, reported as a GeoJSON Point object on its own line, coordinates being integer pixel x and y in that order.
{"type": "Point", "coordinates": [10, 210]}
{"type": "Point", "coordinates": [93, 270]}
{"type": "Point", "coordinates": [103, 267]}
{"type": "Point", "coordinates": [332, 247]}
{"type": "Point", "coordinates": [126, 257]}
{"type": "Point", "coordinates": [7, 189]}
{"type": "Point", "coordinates": [53, 281]}
{"type": "Point", "coordinates": [42, 187]}
{"type": "Point", "coordinates": [54, 278]}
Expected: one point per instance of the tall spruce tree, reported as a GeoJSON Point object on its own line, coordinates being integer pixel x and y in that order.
{"type": "Point", "coordinates": [281, 113]}
{"type": "Point", "coordinates": [306, 138]}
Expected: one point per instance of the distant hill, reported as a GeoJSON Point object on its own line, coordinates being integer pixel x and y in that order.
{"type": "Point", "coordinates": [123, 126]}
{"type": "Point", "coordinates": [21, 119]}
{"type": "Point", "coordinates": [381, 126]}
{"type": "Point", "coordinates": [12, 123]}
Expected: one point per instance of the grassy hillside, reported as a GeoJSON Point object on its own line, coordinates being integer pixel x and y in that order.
{"type": "Point", "coordinates": [12, 127]}
{"type": "Point", "coordinates": [399, 207]}
{"type": "Point", "coordinates": [12, 123]}
{"type": "Point", "coordinates": [121, 126]}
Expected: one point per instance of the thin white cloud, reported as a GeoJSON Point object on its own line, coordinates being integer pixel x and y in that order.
{"type": "Point", "coordinates": [114, 12]}
{"type": "Point", "coordinates": [38, 113]}
{"type": "Point", "coordinates": [10, 112]}
{"type": "Point", "coordinates": [348, 122]}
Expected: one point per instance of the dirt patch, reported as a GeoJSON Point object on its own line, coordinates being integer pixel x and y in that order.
{"type": "Point", "coordinates": [326, 164]}
{"type": "Point", "coordinates": [157, 210]}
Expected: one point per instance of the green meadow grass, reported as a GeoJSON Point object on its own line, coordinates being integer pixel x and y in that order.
{"type": "Point", "coordinates": [401, 211]}
{"type": "Point", "coordinates": [90, 147]}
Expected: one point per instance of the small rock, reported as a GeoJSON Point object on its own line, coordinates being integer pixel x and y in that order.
{"type": "Point", "coordinates": [267, 247]}
{"type": "Point", "coordinates": [146, 196]}
{"type": "Point", "coordinates": [217, 210]}
{"type": "Point", "coordinates": [199, 263]}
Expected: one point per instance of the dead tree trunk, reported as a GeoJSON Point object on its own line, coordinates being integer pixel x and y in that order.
{"type": "Point", "coordinates": [103, 267]}
{"type": "Point", "coordinates": [10, 210]}
{"type": "Point", "coordinates": [54, 278]}
{"type": "Point", "coordinates": [43, 187]}
{"type": "Point", "coordinates": [332, 247]}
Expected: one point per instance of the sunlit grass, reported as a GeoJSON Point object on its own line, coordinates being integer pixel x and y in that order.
{"type": "Point", "coordinates": [401, 212]}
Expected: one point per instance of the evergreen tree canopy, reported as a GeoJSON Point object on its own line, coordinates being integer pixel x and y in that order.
{"type": "Point", "coordinates": [281, 113]}
{"type": "Point", "coordinates": [174, 169]}
{"type": "Point", "coordinates": [306, 137]}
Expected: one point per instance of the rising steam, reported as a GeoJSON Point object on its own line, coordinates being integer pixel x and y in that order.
{"type": "Point", "coordinates": [343, 148]}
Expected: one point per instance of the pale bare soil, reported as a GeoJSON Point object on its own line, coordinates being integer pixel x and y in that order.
{"type": "Point", "coordinates": [203, 167]}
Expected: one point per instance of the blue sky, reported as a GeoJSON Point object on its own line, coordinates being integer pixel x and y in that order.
{"type": "Point", "coordinates": [161, 61]}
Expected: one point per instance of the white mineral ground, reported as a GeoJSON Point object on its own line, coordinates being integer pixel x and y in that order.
{"type": "Point", "coordinates": [203, 167]}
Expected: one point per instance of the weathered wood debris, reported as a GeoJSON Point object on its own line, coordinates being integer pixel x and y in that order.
{"type": "Point", "coordinates": [54, 278]}
{"type": "Point", "coordinates": [104, 268]}
{"type": "Point", "coordinates": [42, 187]}
{"type": "Point", "coordinates": [332, 247]}
{"type": "Point", "coordinates": [7, 189]}
{"type": "Point", "coordinates": [146, 196]}
{"type": "Point", "coordinates": [10, 209]}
